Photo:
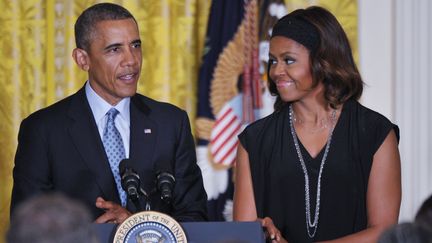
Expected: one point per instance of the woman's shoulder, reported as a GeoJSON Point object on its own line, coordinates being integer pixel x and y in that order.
{"type": "Point", "coordinates": [263, 130]}
{"type": "Point", "coordinates": [373, 127]}
{"type": "Point", "coordinates": [366, 115]}
{"type": "Point", "coordinates": [266, 122]}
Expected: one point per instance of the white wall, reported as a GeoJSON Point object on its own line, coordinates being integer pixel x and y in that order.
{"type": "Point", "coordinates": [413, 75]}
{"type": "Point", "coordinates": [395, 50]}
{"type": "Point", "coordinates": [375, 53]}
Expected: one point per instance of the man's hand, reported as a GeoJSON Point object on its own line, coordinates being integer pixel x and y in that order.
{"type": "Point", "coordinates": [114, 213]}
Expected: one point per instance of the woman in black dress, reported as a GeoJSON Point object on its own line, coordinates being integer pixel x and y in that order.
{"type": "Point", "coordinates": [322, 167]}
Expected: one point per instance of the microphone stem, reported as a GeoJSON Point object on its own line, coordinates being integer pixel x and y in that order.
{"type": "Point", "coordinates": [137, 204]}
{"type": "Point", "coordinates": [146, 198]}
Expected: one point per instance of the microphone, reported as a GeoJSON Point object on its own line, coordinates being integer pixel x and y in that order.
{"type": "Point", "coordinates": [130, 180]}
{"type": "Point", "coordinates": [165, 184]}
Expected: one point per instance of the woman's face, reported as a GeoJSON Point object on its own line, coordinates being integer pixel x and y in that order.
{"type": "Point", "coordinates": [290, 68]}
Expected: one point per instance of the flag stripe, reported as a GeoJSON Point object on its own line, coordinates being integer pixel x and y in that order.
{"type": "Point", "coordinates": [223, 138]}
{"type": "Point", "coordinates": [230, 155]}
{"type": "Point", "coordinates": [222, 132]}
{"type": "Point", "coordinates": [232, 136]}
{"type": "Point", "coordinates": [226, 110]}
{"type": "Point", "coordinates": [221, 125]}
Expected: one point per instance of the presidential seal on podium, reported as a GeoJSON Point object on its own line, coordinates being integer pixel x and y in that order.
{"type": "Point", "coordinates": [150, 226]}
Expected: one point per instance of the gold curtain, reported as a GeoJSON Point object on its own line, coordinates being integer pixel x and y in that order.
{"type": "Point", "coordinates": [37, 68]}
{"type": "Point", "coordinates": [345, 12]}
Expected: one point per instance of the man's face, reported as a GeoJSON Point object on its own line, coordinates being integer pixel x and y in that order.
{"type": "Point", "coordinates": [114, 59]}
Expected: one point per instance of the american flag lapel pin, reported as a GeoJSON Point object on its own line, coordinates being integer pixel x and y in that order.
{"type": "Point", "coordinates": [147, 130]}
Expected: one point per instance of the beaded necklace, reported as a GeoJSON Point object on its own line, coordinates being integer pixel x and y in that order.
{"type": "Point", "coordinates": [311, 226]}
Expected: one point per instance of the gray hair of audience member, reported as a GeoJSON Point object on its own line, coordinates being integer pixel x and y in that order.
{"type": "Point", "coordinates": [406, 232]}
{"type": "Point", "coordinates": [51, 218]}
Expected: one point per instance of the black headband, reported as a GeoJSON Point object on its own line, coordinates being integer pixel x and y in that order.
{"type": "Point", "coordinates": [299, 30]}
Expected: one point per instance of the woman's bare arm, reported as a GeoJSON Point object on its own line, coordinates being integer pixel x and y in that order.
{"type": "Point", "coordinates": [383, 193]}
{"type": "Point", "coordinates": [244, 202]}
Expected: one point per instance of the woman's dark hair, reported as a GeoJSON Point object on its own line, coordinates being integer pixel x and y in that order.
{"type": "Point", "coordinates": [331, 59]}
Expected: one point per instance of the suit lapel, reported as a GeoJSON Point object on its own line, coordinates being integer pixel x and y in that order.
{"type": "Point", "coordinates": [143, 132]}
{"type": "Point", "coordinates": [84, 133]}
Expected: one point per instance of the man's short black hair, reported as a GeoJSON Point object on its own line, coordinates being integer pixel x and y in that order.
{"type": "Point", "coordinates": [86, 22]}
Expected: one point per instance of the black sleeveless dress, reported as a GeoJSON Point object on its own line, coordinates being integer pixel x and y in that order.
{"type": "Point", "coordinates": [278, 178]}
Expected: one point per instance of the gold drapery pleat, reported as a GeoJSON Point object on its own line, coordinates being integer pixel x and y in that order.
{"type": "Point", "coordinates": [345, 12]}
{"type": "Point", "coordinates": [37, 68]}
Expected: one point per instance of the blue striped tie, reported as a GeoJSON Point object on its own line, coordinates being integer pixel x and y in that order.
{"type": "Point", "coordinates": [115, 151]}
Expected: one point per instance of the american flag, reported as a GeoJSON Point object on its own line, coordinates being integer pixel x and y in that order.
{"type": "Point", "coordinates": [223, 139]}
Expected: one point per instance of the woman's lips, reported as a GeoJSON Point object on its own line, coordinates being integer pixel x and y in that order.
{"type": "Point", "coordinates": [283, 84]}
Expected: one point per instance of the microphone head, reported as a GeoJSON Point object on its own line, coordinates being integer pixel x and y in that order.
{"type": "Point", "coordinates": [165, 185]}
{"type": "Point", "coordinates": [130, 180]}
{"type": "Point", "coordinates": [125, 163]}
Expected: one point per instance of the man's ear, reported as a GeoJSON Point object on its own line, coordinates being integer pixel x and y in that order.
{"type": "Point", "coordinates": [81, 58]}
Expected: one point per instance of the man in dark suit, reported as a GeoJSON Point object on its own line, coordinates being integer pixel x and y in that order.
{"type": "Point", "coordinates": [66, 146]}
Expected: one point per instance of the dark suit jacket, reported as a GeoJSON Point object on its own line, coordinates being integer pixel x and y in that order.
{"type": "Point", "coordinates": [60, 150]}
